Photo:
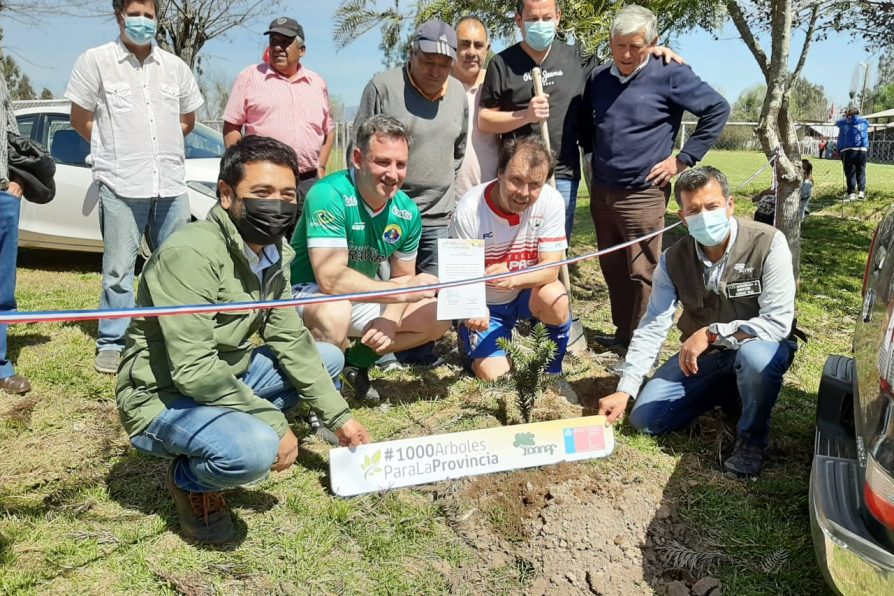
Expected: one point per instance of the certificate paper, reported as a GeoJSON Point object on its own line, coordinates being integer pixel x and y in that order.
{"type": "Point", "coordinates": [461, 259]}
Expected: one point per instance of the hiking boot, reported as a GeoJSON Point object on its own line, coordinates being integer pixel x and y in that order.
{"type": "Point", "coordinates": [321, 432]}
{"type": "Point", "coordinates": [562, 388]}
{"type": "Point", "coordinates": [107, 362]}
{"type": "Point", "coordinates": [358, 380]}
{"type": "Point", "coordinates": [204, 517]}
{"type": "Point", "coordinates": [15, 385]}
{"type": "Point", "coordinates": [746, 460]}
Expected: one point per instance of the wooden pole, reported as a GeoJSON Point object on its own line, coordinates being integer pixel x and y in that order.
{"type": "Point", "coordinates": [577, 342]}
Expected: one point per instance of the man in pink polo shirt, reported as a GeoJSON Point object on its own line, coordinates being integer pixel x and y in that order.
{"type": "Point", "coordinates": [286, 101]}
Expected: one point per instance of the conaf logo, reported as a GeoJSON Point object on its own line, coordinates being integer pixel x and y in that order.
{"type": "Point", "coordinates": [370, 465]}
{"type": "Point", "coordinates": [528, 444]}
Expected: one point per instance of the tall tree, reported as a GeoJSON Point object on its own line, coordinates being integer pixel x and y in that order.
{"type": "Point", "coordinates": [185, 26]}
{"type": "Point", "coordinates": [17, 82]}
{"type": "Point", "coordinates": [585, 21]}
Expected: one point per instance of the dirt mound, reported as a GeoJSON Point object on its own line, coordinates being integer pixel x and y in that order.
{"type": "Point", "coordinates": [602, 527]}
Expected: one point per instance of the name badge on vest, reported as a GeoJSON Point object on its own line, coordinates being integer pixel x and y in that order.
{"type": "Point", "coordinates": [743, 289]}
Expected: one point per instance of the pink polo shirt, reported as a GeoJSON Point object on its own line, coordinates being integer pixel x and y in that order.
{"type": "Point", "coordinates": [295, 111]}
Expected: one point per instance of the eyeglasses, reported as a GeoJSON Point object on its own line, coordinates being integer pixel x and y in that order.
{"type": "Point", "coordinates": [281, 41]}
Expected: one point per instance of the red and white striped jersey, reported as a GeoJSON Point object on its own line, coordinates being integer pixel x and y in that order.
{"type": "Point", "coordinates": [514, 239]}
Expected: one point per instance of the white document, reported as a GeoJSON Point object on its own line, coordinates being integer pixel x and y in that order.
{"type": "Point", "coordinates": [458, 260]}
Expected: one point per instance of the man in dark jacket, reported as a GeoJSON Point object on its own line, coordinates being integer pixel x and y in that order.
{"type": "Point", "coordinates": [734, 280]}
{"type": "Point", "coordinates": [191, 387]}
{"type": "Point", "coordinates": [632, 110]}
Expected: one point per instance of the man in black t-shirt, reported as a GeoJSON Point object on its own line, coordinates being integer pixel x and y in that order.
{"type": "Point", "coordinates": [508, 105]}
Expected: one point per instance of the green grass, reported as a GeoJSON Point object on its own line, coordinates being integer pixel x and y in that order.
{"type": "Point", "coordinates": [80, 512]}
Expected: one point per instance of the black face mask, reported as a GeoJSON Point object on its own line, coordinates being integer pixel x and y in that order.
{"type": "Point", "coordinates": [264, 221]}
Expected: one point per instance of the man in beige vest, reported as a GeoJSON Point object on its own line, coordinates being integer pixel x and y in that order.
{"type": "Point", "coordinates": [735, 282]}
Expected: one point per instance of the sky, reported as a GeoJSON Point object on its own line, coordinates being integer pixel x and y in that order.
{"type": "Point", "coordinates": [47, 49]}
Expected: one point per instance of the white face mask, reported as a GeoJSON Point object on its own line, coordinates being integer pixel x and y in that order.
{"type": "Point", "coordinates": [709, 228]}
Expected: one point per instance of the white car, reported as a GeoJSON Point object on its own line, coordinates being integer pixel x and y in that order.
{"type": "Point", "coordinates": [71, 220]}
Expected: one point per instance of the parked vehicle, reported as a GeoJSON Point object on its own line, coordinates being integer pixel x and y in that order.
{"type": "Point", "coordinates": [852, 478]}
{"type": "Point", "coordinates": [71, 221]}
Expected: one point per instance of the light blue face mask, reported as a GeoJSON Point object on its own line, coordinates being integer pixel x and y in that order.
{"type": "Point", "coordinates": [709, 228]}
{"type": "Point", "coordinates": [140, 30]}
{"type": "Point", "coordinates": [540, 34]}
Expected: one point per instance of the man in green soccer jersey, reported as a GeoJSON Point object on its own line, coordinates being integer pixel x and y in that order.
{"type": "Point", "coordinates": [353, 221]}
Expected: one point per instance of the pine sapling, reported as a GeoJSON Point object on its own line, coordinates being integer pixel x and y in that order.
{"type": "Point", "coordinates": [529, 357]}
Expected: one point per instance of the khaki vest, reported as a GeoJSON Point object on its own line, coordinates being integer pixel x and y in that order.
{"type": "Point", "coordinates": [740, 285]}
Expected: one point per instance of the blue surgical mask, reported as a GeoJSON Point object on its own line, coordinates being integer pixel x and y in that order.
{"type": "Point", "coordinates": [140, 30]}
{"type": "Point", "coordinates": [540, 34]}
{"type": "Point", "coordinates": [709, 228]}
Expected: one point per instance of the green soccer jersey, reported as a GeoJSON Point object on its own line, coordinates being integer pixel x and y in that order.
{"type": "Point", "coordinates": [336, 217]}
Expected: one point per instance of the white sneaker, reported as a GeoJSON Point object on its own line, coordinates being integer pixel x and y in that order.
{"type": "Point", "coordinates": [861, 195]}
{"type": "Point", "coordinates": [563, 388]}
{"type": "Point", "coordinates": [850, 197]}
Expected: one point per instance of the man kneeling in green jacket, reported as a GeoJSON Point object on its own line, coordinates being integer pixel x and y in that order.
{"type": "Point", "coordinates": [191, 387]}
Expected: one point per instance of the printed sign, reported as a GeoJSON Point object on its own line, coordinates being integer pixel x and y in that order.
{"type": "Point", "coordinates": [409, 462]}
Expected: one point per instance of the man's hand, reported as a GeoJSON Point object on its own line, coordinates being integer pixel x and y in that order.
{"type": "Point", "coordinates": [666, 53]}
{"type": "Point", "coordinates": [379, 334]}
{"type": "Point", "coordinates": [423, 279]}
{"type": "Point", "coordinates": [477, 325]}
{"type": "Point", "coordinates": [663, 171]}
{"type": "Point", "coordinates": [353, 434]}
{"type": "Point", "coordinates": [505, 283]}
{"type": "Point", "coordinates": [288, 451]}
{"type": "Point", "coordinates": [691, 349]}
{"type": "Point", "coordinates": [16, 188]}
{"type": "Point", "coordinates": [538, 109]}
{"type": "Point", "coordinates": [321, 171]}
{"type": "Point", "coordinates": [613, 406]}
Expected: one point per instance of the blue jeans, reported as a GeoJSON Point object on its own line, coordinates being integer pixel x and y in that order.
{"type": "Point", "coordinates": [123, 221]}
{"type": "Point", "coordinates": [9, 250]}
{"type": "Point", "coordinates": [219, 448]}
{"type": "Point", "coordinates": [753, 373]}
{"type": "Point", "coordinates": [567, 187]}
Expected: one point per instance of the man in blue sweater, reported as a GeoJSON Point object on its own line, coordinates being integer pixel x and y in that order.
{"type": "Point", "coordinates": [853, 146]}
{"type": "Point", "coordinates": [632, 110]}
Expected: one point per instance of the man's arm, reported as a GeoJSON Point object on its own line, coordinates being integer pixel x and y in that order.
{"type": "Point", "coordinates": [325, 151]}
{"type": "Point", "coordinates": [645, 345]}
{"type": "Point", "coordinates": [187, 122]}
{"type": "Point", "coordinates": [369, 106]}
{"type": "Point", "coordinates": [492, 118]}
{"type": "Point", "coordinates": [232, 133]}
{"type": "Point", "coordinates": [330, 266]}
{"type": "Point", "coordinates": [182, 276]}
{"type": "Point", "coordinates": [694, 95]}
{"type": "Point", "coordinates": [82, 121]}
{"type": "Point", "coordinates": [459, 145]}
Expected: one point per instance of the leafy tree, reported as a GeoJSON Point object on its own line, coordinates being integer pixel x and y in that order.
{"type": "Point", "coordinates": [808, 102]}
{"type": "Point", "coordinates": [585, 21]}
{"type": "Point", "coordinates": [883, 98]}
{"type": "Point", "coordinates": [46, 94]}
{"type": "Point", "coordinates": [17, 82]}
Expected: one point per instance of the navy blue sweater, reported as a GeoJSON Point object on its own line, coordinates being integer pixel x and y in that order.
{"type": "Point", "coordinates": [631, 126]}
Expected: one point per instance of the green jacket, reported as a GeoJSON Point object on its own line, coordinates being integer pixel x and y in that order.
{"type": "Point", "coordinates": [202, 355]}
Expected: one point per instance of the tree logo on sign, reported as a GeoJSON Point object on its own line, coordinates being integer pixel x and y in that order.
{"type": "Point", "coordinates": [370, 465]}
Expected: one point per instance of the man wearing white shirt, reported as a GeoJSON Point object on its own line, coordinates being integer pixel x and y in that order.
{"type": "Point", "coordinates": [133, 102]}
{"type": "Point", "coordinates": [522, 222]}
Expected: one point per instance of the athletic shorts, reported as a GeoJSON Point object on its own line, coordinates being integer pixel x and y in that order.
{"type": "Point", "coordinates": [503, 318]}
{"type": "Point", "coordinates": [361, 312]}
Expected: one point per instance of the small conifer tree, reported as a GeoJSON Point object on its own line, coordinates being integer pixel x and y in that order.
{"type": "Point", "coordinates": [530, 357]}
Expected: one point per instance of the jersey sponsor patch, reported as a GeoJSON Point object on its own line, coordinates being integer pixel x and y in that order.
{"type": "Point", "coordinates": [392, 234]}
{"type": "Point", "coordinates": [743, 289]}
{"type": "Point", "coordinates": [350, 201]}
{"type": "Point", "coordinates": [359, 226]}
{"type": "Point", "coordinates": [401, 213]}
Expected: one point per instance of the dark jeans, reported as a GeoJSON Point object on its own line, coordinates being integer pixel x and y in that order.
{"type": "Point", "coordinates": [620, 215]}
{"type": "Point", "coordinates": [854, 170]}
{"type": "Point", "coordinates": [9, 250]}
{"type": "Point", "coordinates": [753, 373]}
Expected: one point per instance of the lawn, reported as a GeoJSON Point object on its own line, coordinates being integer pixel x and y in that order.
{"type": "Point", "coordinates": [81, 512]}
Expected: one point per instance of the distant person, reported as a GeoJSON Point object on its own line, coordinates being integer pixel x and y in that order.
{"type": "Point", "coordinates": [735, 282]}
{"type": "Point", "coordinates": [480, 161]}
{"type": "Point", "coordinates": [631, 113]}
{"type": "Point", "coordinates": [287, 101]}
{"type": "Point", "coordinates": [11, 191]}
{"type": "Point", "coordinates": [133, 102]}
{"type": "Point", "coordinates": [196, 390]}
{"type": "Point", "coordinates": [853, 147]}
{"type": "Point", "coordinates": [806, 187]}
{"type": "Point", "coordinates": [354, 221]}
{"type": "Point", "coordinates": [521, 220]}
